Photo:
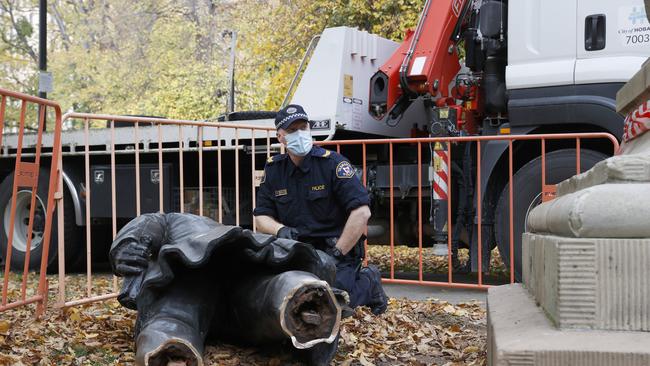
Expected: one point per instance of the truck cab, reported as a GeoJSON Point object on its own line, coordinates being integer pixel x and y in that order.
{"type": "Point", "coordinates": [568, 72]}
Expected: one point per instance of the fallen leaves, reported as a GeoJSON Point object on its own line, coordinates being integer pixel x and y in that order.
{"type": "Point", "coordinates": [73, 314]}
{"type": "Point", "coordinates": [94, 334]}
{"type": "Point", "coordinates": [4, 327]}
{"type": "Point", "coordinates": [407, 259]}
{"type": "Point", "coordinates": [414, 333]}
{"type": "Point", "coordinates": [449, 309]}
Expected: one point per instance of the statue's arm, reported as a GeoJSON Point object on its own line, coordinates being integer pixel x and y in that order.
{"type": "Point", "coordinates": [146, 231]}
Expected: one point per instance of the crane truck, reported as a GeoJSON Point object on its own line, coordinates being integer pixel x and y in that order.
{"type": "Point", "coordinates": [479, 67]}
{"type": "Point", "coordinates": [488, 68]}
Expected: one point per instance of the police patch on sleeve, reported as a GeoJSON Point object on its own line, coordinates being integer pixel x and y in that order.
{"type": "Point", "coordinates": [344, 170]}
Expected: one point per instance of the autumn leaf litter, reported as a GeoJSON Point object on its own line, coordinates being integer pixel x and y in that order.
{"type": "Point", "coordinates": [430, 332]}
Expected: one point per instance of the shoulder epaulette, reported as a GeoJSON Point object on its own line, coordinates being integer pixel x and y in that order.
{"type": "Point", "coordinates": [321, 153]}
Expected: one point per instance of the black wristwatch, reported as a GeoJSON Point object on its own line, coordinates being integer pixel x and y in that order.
{"type": "Point", "coordinates": [336, 253]}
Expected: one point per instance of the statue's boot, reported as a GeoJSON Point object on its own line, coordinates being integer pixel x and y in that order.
{"type": "Point", "coordinates": [166, 341]}
{"type": "Point", "coordinates": [173, 323]}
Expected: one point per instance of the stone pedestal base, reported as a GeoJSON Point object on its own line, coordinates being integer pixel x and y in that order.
{"type": "Point", "coordinates": [519, 334]}
{"type": "Point", "coordinates": [589, 283]}
{"type": "Point", "coordinates": [633, 168]}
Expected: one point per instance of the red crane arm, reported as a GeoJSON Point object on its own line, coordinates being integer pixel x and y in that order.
{"type": "Point", "coordinates": [426, 61]}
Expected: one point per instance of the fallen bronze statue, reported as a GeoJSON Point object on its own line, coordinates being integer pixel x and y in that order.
{"type": "Point", "coordinates": [193, 280]}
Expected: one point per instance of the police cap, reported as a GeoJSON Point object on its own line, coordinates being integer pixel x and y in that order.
{"type": "Point", "coordinates": [288, 115]}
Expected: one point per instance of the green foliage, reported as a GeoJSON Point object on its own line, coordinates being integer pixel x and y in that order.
{"type": "Point", "coordinates": [17, 46]}
{"type": "Point", "coordinates": [276, 34]}
{"type": "Point", "coordinates": [23, 28]}
{"type": "Point", "coordinates": [169, 58]}
{"type": "Point", "coordinates": [152, 61]}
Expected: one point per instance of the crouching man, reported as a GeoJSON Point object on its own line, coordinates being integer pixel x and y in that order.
{"type": "Point", "coordinates": [313, 195]}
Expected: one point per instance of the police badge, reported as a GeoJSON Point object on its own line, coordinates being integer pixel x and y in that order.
{"type": "Point", "coordinates": [344, 170]}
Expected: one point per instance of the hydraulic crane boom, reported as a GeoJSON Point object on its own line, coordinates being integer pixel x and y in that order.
{"type": "Point", "coordinates": [425, 63]}
{"type": "Point", "coordinates": [422, 86]}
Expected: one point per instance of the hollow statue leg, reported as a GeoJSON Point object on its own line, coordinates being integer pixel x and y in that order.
{"type": "Point", "coordinates": [173, 322]}
{"type": "Point", "coordinates": [293, 305]}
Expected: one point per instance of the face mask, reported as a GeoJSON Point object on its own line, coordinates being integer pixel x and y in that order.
{"type": "Point", "coordinates": [299, 142]}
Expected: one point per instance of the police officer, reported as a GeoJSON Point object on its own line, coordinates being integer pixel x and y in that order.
{"type": "Point", "coordinates": [312, 195]}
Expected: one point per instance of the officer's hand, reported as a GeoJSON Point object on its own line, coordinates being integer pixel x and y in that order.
{"type": "Point", "coordinates": [287, 232]}
{"type": "Point", "coordinates": [131, 258]}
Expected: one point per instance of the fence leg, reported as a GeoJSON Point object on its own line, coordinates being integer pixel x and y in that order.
{"type": "Point", "coordinates": [42, 304]}
{"type": "Point", "coordinates": [61, 238]}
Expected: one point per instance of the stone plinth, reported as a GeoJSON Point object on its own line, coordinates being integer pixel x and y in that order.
{"type": "Point", "coordinates": [585, 298]}
{"type": "Point", "coordinates": [617, 169]}
{"type": "Point", "coordinates": [519, 334]}
{"type": "Point", "coordinates": [635, 91]}
{"type": "Point", "coordinates": [589, 283]}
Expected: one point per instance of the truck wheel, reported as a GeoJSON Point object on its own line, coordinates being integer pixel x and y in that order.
{"type": "Point", "coordinates": [248, 115]}
{"type": "Point", "coordinates": [561, 164]}
{"type": "Point", "coordinates": [73, 233]}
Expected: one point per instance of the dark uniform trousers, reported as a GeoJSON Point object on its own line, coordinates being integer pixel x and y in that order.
{"type": "Point", "coordinates": [349, 277]}
{"type": "Point", "coordinates": [358, 284]}
{"type": "Point", "coordinates": [316, 199]}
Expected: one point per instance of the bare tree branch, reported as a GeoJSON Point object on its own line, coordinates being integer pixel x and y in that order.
{"type": "Point", "coordinates": [21, 43]}
{"type": "Point", "coordinates": [61, 25]}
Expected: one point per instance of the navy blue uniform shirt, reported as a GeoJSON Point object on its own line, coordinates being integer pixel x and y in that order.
{"type": "Point", "coordinates": [316, 197]}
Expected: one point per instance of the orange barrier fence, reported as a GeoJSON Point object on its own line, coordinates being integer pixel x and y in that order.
{"type": "Point", "coordinates": [548, 192]}
{"type": "Point", "coordinates": [221, 160]}
{"type": "Point", "coordinates": [24, 188]}
{"type": "Point", "coordinates": [189, 137]}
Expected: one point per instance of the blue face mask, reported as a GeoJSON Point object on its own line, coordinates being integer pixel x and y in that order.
{"type": "Point", "coordinates": [299, 142]}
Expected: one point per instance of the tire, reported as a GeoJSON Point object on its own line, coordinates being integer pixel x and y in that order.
{"type": "Point", "coordinates": [560, 165]}
{"type": "Point", "coordinates": [73, 250]}
{"type": "Point", "coordinates": [248, 115]}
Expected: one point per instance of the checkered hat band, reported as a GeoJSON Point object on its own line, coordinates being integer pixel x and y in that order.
{"type": "Point", "coordinates": [292, 116]}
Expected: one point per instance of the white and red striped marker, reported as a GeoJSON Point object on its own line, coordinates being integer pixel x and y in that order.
{"type": "Point", "coordinates": [637, 123]}
{"type": "Point", "coordinates": [440, 171]}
